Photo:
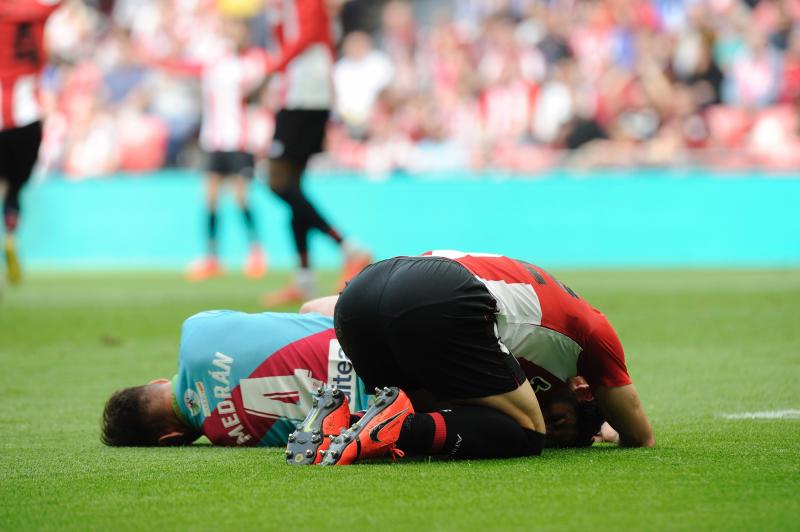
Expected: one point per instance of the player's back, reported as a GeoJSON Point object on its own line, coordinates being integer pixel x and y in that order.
{"type": "Point", "coordinates": [542, 320]}
{"type": "Point", "coordinates": [527, 294]}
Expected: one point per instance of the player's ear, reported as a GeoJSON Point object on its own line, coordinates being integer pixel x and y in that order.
{"type": "Point", "coordinates": [580, 388]}
{"type": "Point", "coordinates": [158, 381]}
{"type": "Point", "coordinates": [172, 439]}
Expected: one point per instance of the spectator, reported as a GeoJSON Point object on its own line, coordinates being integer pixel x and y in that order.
{"type": "Point", "coordinates": [359, 77]}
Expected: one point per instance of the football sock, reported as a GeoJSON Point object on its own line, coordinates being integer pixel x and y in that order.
{"type": "Point", "coordinates": [212, 232]}
{"type": "Point", "coordinates": [334, 234]}
{"type": "Point", "coordinates": [304, 215]}
{"type": "Point", "coordinates": [468, 432]}
{"type": "Point", "coordinates": [10, 220]}
{"type": "Point", "coordinates": [305, 281]}
{"type": "Point", "coordinates": [11, 205]}
{"type": "Point", "coordinates": [249, 223]}
{"type": "Point", "coordinates": [300, 233]}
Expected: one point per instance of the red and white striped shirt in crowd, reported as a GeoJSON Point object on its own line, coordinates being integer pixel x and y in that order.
{"type": "Point", "coordinates": [22, 57]}
{"type": "Point", "coordinates": [227, 80]}
{"type": "Point", "coordinates": [306, 57]}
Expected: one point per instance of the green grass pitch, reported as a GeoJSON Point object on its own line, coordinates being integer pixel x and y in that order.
{"type": "Point", "coordinates": [699, 344]}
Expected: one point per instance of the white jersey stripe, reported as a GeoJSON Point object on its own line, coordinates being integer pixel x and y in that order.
{"type": "Point", "coordinates": [518, 302]}
{"type": "Point", "coordinates": [544, 347]}
{"type": "Point", "coordinates": [25, 104]}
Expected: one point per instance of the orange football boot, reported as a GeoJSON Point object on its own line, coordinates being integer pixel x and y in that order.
{"type": "Point", "coordinates": [354, 262]}
{"type": "Point", "coordinates": [329, 414]}
{"type": "Point", "coordinates": [375, 435]}
{"type": "Point", "coordinates": [290, 295]}
{"type": "Point", "coordinates": [255, 267]}
{"type": "Point", "coordinates": [204, 269]}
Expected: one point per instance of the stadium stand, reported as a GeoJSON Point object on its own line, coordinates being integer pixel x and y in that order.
{"type": "Point", "coordinates": [521, 85]}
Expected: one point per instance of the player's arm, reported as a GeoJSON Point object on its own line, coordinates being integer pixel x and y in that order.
{"type": "Point", "coordinates": [311, 24]}
{"type": "Point", "coordinates": [321, 305]}
{"type": "Point", "coordinates": [624, 412]}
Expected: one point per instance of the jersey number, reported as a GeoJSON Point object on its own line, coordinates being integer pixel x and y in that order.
{"type": "Point", "coordinates": [25, 44]}
{"type": "Point", "coordinates": [285, 396]}
{"type": "Point", "coordinates": [540, 279]}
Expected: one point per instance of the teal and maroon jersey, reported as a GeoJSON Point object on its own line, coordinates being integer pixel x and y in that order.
{"type": "Point", "coordinates": [247, 379]}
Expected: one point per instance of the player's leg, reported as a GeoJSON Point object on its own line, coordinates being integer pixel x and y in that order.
{"type": "Point", "coordinates": [298, 136]}
{"type": "Point", "coordinates": [255, 265]}
{"type": "Point", "coordinates": [213, 186]}
{"type": "Point", "coordinates": [284, 181]}
{"type": "Point", "coordinates": [210, 266]}
{"type": "Point", "coordinates": [437, 322]}
{"type": "Point", "coordinates": [19, 149]}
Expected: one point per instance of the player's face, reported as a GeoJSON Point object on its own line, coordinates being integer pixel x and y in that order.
{"type": "Point", "coordinates": [562, 423]}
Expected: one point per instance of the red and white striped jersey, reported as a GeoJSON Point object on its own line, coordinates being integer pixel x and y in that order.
{"type": "Point", "coordinates": [226, 85]}
{"type": "Point", "coordinates": [227, 80]}
{"type": "Point", "coordinates": [543, 322]}
{"type": "Point", "coordinates": [306, 57]}
{"type": "Point", "coordinates": [22, 57]}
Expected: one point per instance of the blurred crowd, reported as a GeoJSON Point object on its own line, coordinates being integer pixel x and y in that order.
{"type": "Point", "coordinates": [521, 85]}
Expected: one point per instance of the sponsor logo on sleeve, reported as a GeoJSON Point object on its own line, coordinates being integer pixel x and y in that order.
{"type": "Point", "coordinates": [201, 394]}
{"type": "Point", "coordinates": [191, 401]}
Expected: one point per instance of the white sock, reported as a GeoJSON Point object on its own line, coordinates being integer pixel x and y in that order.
{"type": "Point", "coordinates": [350, 248]}
{"type": "Point", "coordinates": [305, 281]}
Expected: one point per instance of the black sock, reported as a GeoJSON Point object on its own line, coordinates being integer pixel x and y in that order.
{"type": "Point", "coordinates": [468, 432]}
{"type": "Point", "coordinates": [300, 233]}
{"type": "Point", "coordinates": [305, 212]}
{"type": "Point", "coordinates": [249, 223]}
{"type": "Point", "coordinates": [212, 232]}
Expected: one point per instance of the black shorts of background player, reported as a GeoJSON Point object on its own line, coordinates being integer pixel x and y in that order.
{"type": "Point", "coordinates": [428, 326]}
{"type": "Point", "coordinates": [300, 134]}
{"type": "Point", "coordinates": [19, 149]}
{"type": "Point", "coordinates": [238, 167]}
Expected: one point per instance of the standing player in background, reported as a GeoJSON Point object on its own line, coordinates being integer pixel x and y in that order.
{"type": "Point", "coordinates": [22, 57]}
{"type": "Point", "coordinates": [305, 63]}
{"type": "Point", "coordinates": [228, 79]}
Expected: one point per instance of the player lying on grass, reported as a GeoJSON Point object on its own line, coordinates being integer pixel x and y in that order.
{"type": "Point", "coordinates": [457, 330]}
{"type": "Point", "coordinates": [243, 379]}
{"type": "Point", "coordinates": [247, 379]}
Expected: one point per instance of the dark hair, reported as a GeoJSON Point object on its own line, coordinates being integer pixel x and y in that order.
{"type": "Point", "coordinates": [124, 422]}
{"type": "Point", "coordinates": [589, 419]}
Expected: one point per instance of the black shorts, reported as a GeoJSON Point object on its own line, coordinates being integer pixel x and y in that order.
{"type": "Point", "coordinates": [299, 134]}
{"type": "Point", "coordinates": [229, 163]}
{"type": "Point", "coordinates": [19, 149]}
{"type": "Point", "coordinates": [424, 323]}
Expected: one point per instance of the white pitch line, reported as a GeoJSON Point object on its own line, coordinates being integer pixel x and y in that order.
{"type": "Point", "coordinates": [769, 414]}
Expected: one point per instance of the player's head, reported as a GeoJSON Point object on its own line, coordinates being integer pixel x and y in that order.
{"type": "Point", "coordinates": [570, 422]}
{"type": "Point", "coordinates": [142, 416]}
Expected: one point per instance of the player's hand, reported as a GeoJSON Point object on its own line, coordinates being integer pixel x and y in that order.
{"type": "Point", "coordinates": [607, 434]}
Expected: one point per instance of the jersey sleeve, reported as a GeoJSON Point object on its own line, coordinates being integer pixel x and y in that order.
{"type": "Point", "coordinates": [312, 25]}
{"type": "Point", "coordinates": [602, 362]}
